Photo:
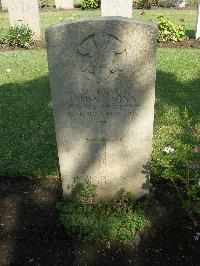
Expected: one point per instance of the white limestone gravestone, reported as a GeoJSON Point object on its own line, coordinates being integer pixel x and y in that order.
{"type": "Point", "coordinates": [181, 3]}
{"type": "Point", "coordinates": [25, 12]}
{"type": "Point", "coordinates": [116, 8]}
{"type": "Point", "coordinates": [102, 76]}
{"type": "Point", "coordinates": [4, 4]}
{"type": "Point", "coordinates": [65, 4]}
{"type": "Point", "coordinates": [198, 23]}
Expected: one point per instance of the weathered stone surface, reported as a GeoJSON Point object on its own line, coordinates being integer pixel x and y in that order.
{"type": "Point", "coordinates": [121, 8]}
{"type": "Point", "coordinates": [198, 22]}
{"type": "Point", "coordinates": [67, 4]}
{"type": "Point", "coordinates": [102, 76]}
{"type": "Point", "coordinates": [25, 12]}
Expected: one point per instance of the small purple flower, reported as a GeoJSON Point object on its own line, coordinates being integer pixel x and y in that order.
{"type": "Point", "coordinates": [196, 149]}
{"type": "Point", "coordinates": [191, 166]}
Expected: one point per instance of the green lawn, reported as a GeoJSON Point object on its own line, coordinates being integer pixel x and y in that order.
{"type": "Point", "coordinates": [48, 18]}
{"type": "Point", "coordinates": [27, 137]}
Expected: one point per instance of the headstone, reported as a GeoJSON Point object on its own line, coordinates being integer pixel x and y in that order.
{"type": "Point", "coordinates": [198, 23]}
{"type": "Point", "coordinates": [4, 4]}
{"type": "Point", "coordinates": [182, 4]}
{"type": "Point", "coordinates": [25, 12]}
{"type": "Point", "coordinates": [122, 8]}
{"type": "Point", "coordinates": [66, 4]}
{"type": "Point", "coordinates": [102, 76]}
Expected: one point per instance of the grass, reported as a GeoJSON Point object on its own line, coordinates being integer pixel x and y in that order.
{"type": "Point", "coordinates": [49, 18]}
{"type": "Point", "coordinates": [177, 88]}
{"type": "Point", "coordinates": [27, 137]}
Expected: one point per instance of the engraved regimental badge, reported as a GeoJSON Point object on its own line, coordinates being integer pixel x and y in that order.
{"type": "Point", "coordinates": [103, 57]}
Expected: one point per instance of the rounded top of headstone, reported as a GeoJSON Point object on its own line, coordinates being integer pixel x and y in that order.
{"type": "Point", "coordinates": [113, 19]}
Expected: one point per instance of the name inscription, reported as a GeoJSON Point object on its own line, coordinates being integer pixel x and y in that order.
{"type": "Point", "coordinates": [101, 105]}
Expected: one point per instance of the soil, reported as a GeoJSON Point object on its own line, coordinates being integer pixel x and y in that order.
{"type": "Point", "coordinates": [39, 45]}
{"type": "Point", "coordinates": [191, 43]}
{"type": "Point", "coordinates": [30, 232]}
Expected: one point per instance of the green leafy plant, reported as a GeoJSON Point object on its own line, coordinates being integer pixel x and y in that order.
{"type": "Point", "coordinates": [3, 32]}
{"type": "Point", "coordinates": [167, 3]}
{"type": "Point", "coordinates": [192, 2]}
{"type": "Point", "coordinates": [90, 4]}
{"type": "Point", "coordinates": [155, 2]}
{"type": "Point", "coordinates": [168, 31]}
{"type": "Point", "coordinates": [19, 36]}
{"type": "Point", "coordinates": [144, 4]}
{"type": "Point", "coordinates": [43, 3]}
{"type": "Point", "coordinates": [119, 219]}
{"type": "Point", "coordinates": [181, 165]}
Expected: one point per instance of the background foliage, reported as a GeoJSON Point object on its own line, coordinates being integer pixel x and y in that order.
{"type": "Point", "coordinates": [18, 36]}
{"type": "Point", "coordinates": [168, 31]}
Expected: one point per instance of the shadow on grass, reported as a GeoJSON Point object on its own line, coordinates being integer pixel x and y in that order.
{"type": "Point", "coordinates": [172, 93]}
{"type": "Point", "coordinates": [27, 135]}
{"type": "Point", "coordinates": [31, 234]}
{"type": "Point", "coordinates": [190, 33]}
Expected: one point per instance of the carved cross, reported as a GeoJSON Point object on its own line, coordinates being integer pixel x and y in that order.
{"type": "Point", "coordinates": [103, 140]}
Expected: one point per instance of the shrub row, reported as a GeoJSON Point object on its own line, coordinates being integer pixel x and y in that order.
{"type": "Point", "coordinates": [141, 4]}
{"type": "Point", "coordinates": [22, 36]}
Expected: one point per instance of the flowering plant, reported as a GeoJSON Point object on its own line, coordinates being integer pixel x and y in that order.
{"type": "Point", "coordinates": [181, 165]}
{"type": "Point", "coordinates": [19, 36]}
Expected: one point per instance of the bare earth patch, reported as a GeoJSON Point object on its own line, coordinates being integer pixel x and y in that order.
{"type": "Point", "coordinates": [30, 233]}
{"type": "Point", "coordinates": [191, 43]}
{"type": "Point", "coordinates": [36, 46]}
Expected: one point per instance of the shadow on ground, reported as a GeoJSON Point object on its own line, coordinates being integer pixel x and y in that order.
{"type": "Point", "coordinates": [27, 134]}
{"type": "Point", "coordinates": [190, 33]}
{"type": "Point", "coordinates": [30, 233]}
